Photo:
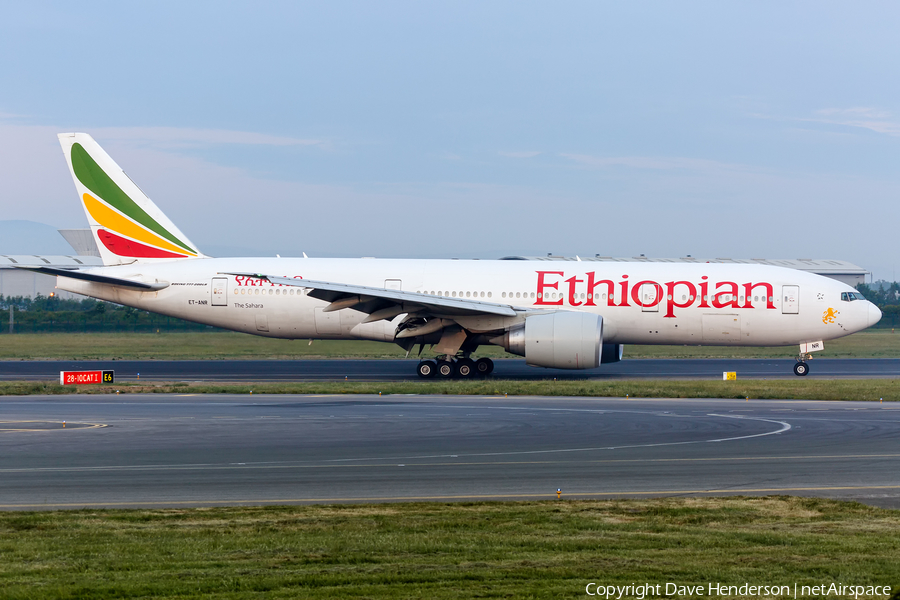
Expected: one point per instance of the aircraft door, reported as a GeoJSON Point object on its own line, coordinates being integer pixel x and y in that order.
{"type": "Point", "coordinates": [219, 291]}
{"type": "Point", "coordinates": [791, 299]}
{"type": "Point", "coordinates": [393, 284]}
{"type": "Point", "coordinates": [650, 297]}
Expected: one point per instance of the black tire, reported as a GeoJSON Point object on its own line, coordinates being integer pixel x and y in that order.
{"type": "Point", "coordinates": [801, 369]}
{"type": "Point", "coordinates": [446, 369]}
{"type": "Point", "coordinates": [484, 366]}
{"type": "Point", "coordinates": [426, 369]}
{"type": "Point", "coordinates": [465, 368]}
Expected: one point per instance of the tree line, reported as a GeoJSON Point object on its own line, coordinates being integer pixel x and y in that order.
{"type": "Point", "coordinates": [52, 314]}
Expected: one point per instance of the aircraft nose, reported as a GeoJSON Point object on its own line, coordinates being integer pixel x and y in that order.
{"type": "Point", "coordinates": [874, 314]}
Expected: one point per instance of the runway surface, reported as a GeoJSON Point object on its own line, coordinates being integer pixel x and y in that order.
{"type": "Point", "coordinates": [394, 370]}
{"type": "Point", "coordinates": [165, 450]}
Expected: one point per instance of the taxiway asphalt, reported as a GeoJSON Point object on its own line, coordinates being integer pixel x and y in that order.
{"type": "Point", "coordinates": [169, 450]}
{"type": "Point", "coordinates": [398, 370]}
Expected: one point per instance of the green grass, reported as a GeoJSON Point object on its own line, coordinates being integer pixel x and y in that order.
{"type": "Point", "coordinates": [478, 550]}
{"type": "Point", "coordinates": [755, 389]}
{"type": "Point", "coordinates": [218, 345]}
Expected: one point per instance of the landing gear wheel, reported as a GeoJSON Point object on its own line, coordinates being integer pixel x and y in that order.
{"type": "Point", "coordinates": [801, 369]}
{"type": "Point", "coordinates": [446, 369]}
{"type": "Point", "coordinates": [484, 366]}
{"type": "Point", "coordinates": [426, 369]}
{"type": "Point", "coordinates": [465, 368]}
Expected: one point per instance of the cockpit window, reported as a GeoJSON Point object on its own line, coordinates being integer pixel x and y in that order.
{"type": "Point", "coordinates": [851, 296]}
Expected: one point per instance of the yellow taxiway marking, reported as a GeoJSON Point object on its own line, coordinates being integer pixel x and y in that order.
{"type": "Point", "coordinates": [536, 496]}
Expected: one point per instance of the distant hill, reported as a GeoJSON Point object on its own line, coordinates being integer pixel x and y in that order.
{"type": "Point", "coordinates": [28, 237]}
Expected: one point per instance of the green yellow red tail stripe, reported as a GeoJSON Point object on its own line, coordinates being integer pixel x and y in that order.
{"type": "Point", "coordinates": [127, 226]}
{"type": "Point", "coordinates": [113, 221]}
{"type": "Point", "coordinates": [92, 176]}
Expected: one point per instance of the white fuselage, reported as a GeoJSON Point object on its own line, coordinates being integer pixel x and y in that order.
{"type": "Point", "coordinates": [641, 303]}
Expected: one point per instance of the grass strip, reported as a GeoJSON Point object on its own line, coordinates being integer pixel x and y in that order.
{"type": "Point", "coordinates": [887, 390]}
{"type": "Point", "coordinates": [877, 343]}
{"type": "Point", "coordinates": [466, 550]}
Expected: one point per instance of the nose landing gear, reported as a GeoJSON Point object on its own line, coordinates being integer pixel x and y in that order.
{"type": "Point", "coordinates": [801, 367]}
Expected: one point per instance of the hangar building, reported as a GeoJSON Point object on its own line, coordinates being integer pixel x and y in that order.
{"type": "Point", "coordinates": [16, 282]}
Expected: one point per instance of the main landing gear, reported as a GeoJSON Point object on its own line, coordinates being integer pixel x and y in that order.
{"type": "Point", "coordinates": [463, 367]}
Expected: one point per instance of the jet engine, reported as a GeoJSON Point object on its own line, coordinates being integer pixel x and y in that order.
{"type": "Point", "coordinates": [611, 353]}
{"type": "Point", "coordinates": [562, 340]}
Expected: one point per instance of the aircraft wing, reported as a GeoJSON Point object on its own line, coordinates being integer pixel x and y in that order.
{"type": "Point", "coordinates": [380, 303]}
{"type": "Point", "coordinates": [94, 277]}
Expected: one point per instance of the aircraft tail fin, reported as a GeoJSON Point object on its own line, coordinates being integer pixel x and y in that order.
{"type": "Point", "coordinates": [127, 226]}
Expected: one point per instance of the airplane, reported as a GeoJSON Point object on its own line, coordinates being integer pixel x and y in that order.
{"type": "Point", "coordinates": [566, 315]}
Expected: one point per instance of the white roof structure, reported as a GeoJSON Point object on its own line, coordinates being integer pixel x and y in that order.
{"type": "Point", "coordinates": [17, 282]}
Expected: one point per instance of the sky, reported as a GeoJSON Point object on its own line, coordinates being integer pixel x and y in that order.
{"type": "Point", "coordinates": [470, 129]}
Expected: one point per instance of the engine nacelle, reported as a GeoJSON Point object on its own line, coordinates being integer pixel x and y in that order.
{"type": "Point", "coordinates": [611, 353]}
{"type": "Point", "coordinates": [562, 340]}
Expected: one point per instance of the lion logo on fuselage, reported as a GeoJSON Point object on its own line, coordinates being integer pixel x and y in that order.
{"type": "Point", "coordinates": [829, 316]}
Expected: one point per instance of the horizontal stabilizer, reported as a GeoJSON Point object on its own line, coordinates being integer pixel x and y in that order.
{"type": "Point", "coordinates": [105, 279]}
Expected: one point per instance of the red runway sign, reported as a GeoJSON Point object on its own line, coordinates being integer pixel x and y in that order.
{"type": "Point", "coordinates": [86, 377]}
